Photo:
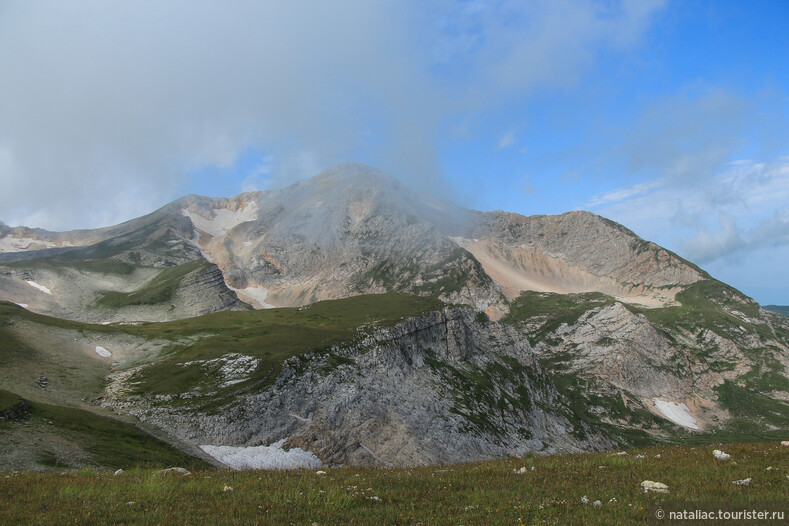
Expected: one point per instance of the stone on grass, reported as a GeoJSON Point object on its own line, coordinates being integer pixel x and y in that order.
{"type": "Point", "coordinates": [657, 487]}
{"type": "Point", "coordinates": [785, 442]}
{"type": "Point", "coordinates": [179, 471]}
{"type": "Point", "coordinates": [743, 482]}
{"type": "Point", "coordinates": [119, 472]}
{"type": "Point", "coordinates": [585, 499]}
{"type": "Point", "coordinates": [320, 472]}
{"type": "Point", "coordinates": [597, 503]}
{"type": "Point", "coordinates": [520, 471]}
{"type": "Point", "coordinates": [720, 455]}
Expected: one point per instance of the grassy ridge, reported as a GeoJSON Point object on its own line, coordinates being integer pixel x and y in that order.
{"type": "Point", "coordinates": [780, 309]}
{"type": "Point", "coordinates": [705, 305]}
{"type": "Point", "coordinates": [553, 309]}
{"type": "Point", "coordinates": [479, 493]}
{"type": "Point", "coordinates": [25, 355]}
{"type": "Point", "coordinates": [103, 441]}
{"type": "Point", "coordinates": [160, 289]}
{"type": "Point", "coordinates": [271, 335]}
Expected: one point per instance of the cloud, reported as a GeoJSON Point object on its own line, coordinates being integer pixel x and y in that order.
{"type": "Point", "coordinates": [739, 210]}
{"type": "Point", "coordinates": [106, 107]}
{"type": "Point", "coordinates": [708, 245]}
{"type": "Point", "coordinates": [687, 136]}
{"type": "Point", "coordinates": [259, 178]}
{"type": "Point", "coordinates": [507, 140]}
{"type": "Point", "coordinates": [621, 194]}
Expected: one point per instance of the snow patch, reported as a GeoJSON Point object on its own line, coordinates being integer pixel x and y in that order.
{"type": "Point", "coordinates": [222, 220]}
{"type": "Point", "coordinates": [23, 305]}
{"type": "Point", "coordinates": [42, 288]}
{"type": "Point", "coordinates": [232, 368]}
{"type": "Point", "coordinates": [256, 294]}
{"type": "Point", "coordinates": [676, 412]}
{"type": "Point", "coordinates": [263, 457]}
{"type": "Point", "coordinates": [101, 351]}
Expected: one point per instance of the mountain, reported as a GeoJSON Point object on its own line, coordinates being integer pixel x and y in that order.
{"type": "Point", "coordinates": [352, 317]}
{"type": "Point", "coordinates": [782, 309]}
{"type": "Point", "coordinates": [350, 230]}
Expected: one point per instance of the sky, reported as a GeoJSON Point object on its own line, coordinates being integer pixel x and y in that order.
{"type": "Point", "coordinates": [668, 116]}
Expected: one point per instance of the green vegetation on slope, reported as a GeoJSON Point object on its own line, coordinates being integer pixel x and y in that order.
{"type": "Point", "coordinates": [104, 442]}
{"type": "Point", "coordinates": [448, 276]}
{"type": "Point", "coordinates": [160, 289]}
{"type": "Point", "coordinates": [709, 304]}
{"type": "Point", "coordinates": [705, 305]}
{"type": "Point", "coordinates": [780, 309]}
{"type": "Point", "coordinates": [476, 389]}
{"type": "Point", "coordinates": [8, 400]}
{"type": "Point", "coordinates": [270, 335]}
{"type": "Point", "coordinates": [62, 262]}
{"type": "Point", "coordinates": [552, 309]}
{"type": "Point", "coordinates": [478, 493]}
{"type": "Point", "coordinates": [31, 345]}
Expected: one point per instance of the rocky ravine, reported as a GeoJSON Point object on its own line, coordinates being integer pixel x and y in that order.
{"type": "Point", "coordinates": [448, 386]}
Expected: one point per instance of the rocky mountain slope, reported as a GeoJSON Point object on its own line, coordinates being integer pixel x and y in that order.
{"type": "Point", "coordinates": [437, 388]}
{"type": "Point", "coordinates": [355, 230]}
{"type": "Point", "coordinates": [604, 338]}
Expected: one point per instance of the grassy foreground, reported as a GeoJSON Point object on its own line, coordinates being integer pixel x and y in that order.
{"type": "Point", "coordinates": [479, 493]}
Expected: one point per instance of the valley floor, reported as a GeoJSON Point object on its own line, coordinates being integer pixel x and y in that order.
{"type": "Point", "coordinates": [560, 489]}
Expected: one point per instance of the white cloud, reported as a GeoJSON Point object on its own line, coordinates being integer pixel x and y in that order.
{"type": "Point", "coordinates": [105, 106]}
{"type": "Point", "coordinates": [507, 140]}
{"type": "Point", "coordinates": [688, 136]}
{"type": "Point", "coordinates": [740, 210]}
{"type": "Point", "coordinates": [620, 194]}
{"type": "Point", "coordinates": [259, 178]}
{"type": "Point", "coordinates": [709, 245]}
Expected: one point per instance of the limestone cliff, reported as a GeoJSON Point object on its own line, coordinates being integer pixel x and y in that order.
{"type": "Point", "coordinates": [449, 386]}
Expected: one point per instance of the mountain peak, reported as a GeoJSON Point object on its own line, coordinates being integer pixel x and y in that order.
{"type": "Point", "coordinates": [355, 174]}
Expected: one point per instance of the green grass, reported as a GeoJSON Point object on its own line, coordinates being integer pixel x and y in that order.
{"type": "Point", "coordinates": [271, 335]}
{"type": "Point", "coordinates": [62, 262]}
{"type": "Point", "coordinates": [781, 309]}
{"type": "Point", "coordinates": [8, 400]}
{"type": "Point", "coordinates": [160, 289]}
{"type": "Point", "coordinates": [108, 443]}
{"type": "Point", "coordinates": [554, 309]}
{"type": "Point", "coordinates": [478, 493]}
{"type": "Point", "coordinates": [706, 305]}
{"type": "Point", "coordinates": [24, 356]}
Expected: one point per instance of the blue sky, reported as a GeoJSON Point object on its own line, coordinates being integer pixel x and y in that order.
{"type": "Point", "coordinates": [671, 117]}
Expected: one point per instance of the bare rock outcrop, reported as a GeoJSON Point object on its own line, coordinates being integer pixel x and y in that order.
{"type": "Point", "coordinates": [444, 387]}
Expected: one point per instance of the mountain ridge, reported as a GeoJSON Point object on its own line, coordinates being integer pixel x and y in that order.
{"type": "Point", "coordinates": [629, 342]}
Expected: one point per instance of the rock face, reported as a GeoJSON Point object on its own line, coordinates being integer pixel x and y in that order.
{"type": "Point", "coordinates": [632, 340]}
{"type": "Point", "coordinates": [354, 230]}
{"type": "Point", "coordinates": [136, 294]}
{"type": "Point", "coordinates": [350, 230]}
{"type": "Point", "coordinates": [576, 252]}
{"type": "Point", "coordinates": [703, 365]}
{"type": "Point", "coordinates": [449, 386]}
